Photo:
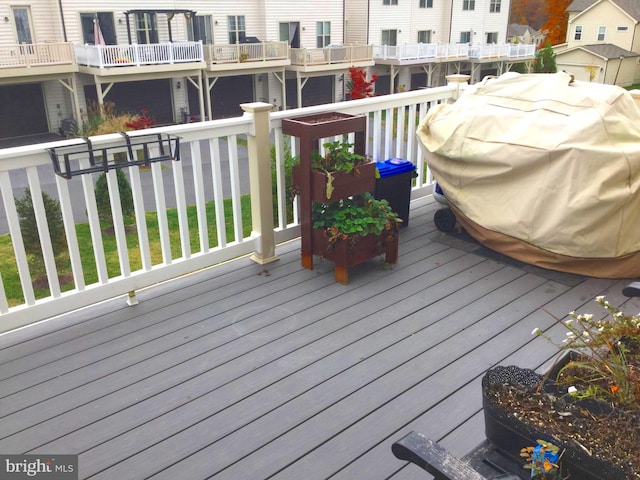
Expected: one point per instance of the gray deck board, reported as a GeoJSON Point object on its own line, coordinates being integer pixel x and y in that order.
{"type": "Point", "coordinates": [248, 371]}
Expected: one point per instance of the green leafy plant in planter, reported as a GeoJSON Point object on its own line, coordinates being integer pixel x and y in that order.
{"type": "Point", "coordinates": [352, 218]}
{"type": "Point", "coordinates": [338, 157]}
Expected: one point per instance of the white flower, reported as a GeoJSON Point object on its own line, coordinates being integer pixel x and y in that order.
{"type": "Point", "coordinates": [569, 322]}
{"type": "Point", "coordinates": [536, 331]}
{"type": "Point", "coordinates": [600, 298]}
{"type": "Point", "coordinates": [588, 317]}
{"type": "Point", "coordinates": [570, 335]}
{"type": "Point", "coordinates": [585, 334]}
{"type": "Point", "coordinates": [572, 390]}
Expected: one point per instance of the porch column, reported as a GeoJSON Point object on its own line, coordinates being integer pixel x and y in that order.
{"type": "Point", "coordinates": [258, 147]}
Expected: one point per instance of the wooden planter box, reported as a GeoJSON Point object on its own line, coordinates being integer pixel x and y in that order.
{"type": "Point", "coordinates": [361, 180]}
{"type": "Point", "coordinates": [344, 254]}
{"type": "Point", "coordinates": [323, 125]}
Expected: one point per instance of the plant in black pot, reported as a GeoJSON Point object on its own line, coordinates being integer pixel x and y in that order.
{"type": "Point", "coordinates": [588, 403]}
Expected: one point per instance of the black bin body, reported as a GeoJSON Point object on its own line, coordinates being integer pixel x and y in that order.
{"type": "Point", "coordinates": [394, 185]}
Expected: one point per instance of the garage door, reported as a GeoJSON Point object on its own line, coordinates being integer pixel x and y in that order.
{"type": "Point", "coordinates": [317, 91]}
{"type": "Point", "coordinates": [23, 111]}
{"type": "Point", "coordinates": [132, 97]}
{"type": "Point", "coordinates": [227, 95]}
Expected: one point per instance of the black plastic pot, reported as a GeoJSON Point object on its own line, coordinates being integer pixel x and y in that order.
{"type": "Point", "coordinates": [509, 434]}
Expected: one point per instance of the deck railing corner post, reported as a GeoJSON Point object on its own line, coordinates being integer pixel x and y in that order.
{"type": "Point", "coordinates": [258, 148]}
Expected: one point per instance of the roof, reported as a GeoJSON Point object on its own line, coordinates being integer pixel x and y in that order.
{"type": "Point", "coordinates": [631, 7]}
{"type": "Point", "coordinates": [607, 51]}
{"type": "Point", "coordinates": [515, 29]}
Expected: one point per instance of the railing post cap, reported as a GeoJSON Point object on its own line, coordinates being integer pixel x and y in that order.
{"type": "Point", "coordinates": [458, 78]}
{"type": "Point", "coordinates": [255, 107]}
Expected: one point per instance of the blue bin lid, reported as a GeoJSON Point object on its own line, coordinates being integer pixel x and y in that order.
{"type": "Point", "coordinates": [394, 166]}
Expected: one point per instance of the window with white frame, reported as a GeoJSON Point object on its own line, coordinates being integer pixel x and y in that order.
{"type": "Point", "coordinates": [494, 6]}
{"type": "Point", "coordinates": [426, 3]}
{"type": "Point", "coordinates": [237, 29]}
{"type": "Point", "coordinates": [424, 36]}
{"type": "Point", "coordinates": [389, 2]}
{"type": "Point", "coordinates": [200, 29]}
{"type": "Point", "coordinates": [323, 34]}
{"type": "Point", "coordinates": [22, 21]}
{"type": "Point", "coordinates": [146, 27]}
{"type": "Point", "coordinates": [389, 37]}
{"type": "Point", "coordinates": [602, 33]}
{"type": "Point", "coordinates": [465, 37]}
{"type": "Point", "coordinates": [492, 37]}
{"type": "Point", "coordinates": [578, 33]}
{"type": "Point", "coordinates": [468, 4]}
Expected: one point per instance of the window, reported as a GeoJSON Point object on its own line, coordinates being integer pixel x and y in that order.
{"type": "Point", "coordinates": [578, 33]}
{"type": "Point", "coordinates": [468, 4]}
{"type": "Point", "coordinates": [22, 20]}
{"type": "Point", "coordinates": [494, 6]}
{"type": "Point", "coordinates": [323, 34]}
{"type": "Point", "coordinates": [290, 32]}
{"type": "Point", "coordinates": [146, 28]}
{"type": "Point", "coordinates": [104, 21]}
{"type": "Point", "coordinates": [492, 37]}
{"type": "Point", "coordinates": [426, 3]}
{"type": "Point", "coordinates": [623, 28]}
{"type": "Point", "coordinates": [199, 29]}
{"type": "Point", "coordinates": [465, 37]}
{"type": "Point", "coordinates": [237, 29]}
{"type": "Point", "coordinates": [602, 32]}
{"type": "Point", "coordinates": [389, 37]}
{"type": "Point", "coordinates": [389, 2]}
{"type": "Point", "coordinates": [424, 36]}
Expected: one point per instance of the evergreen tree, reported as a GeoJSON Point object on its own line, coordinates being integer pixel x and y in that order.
{"type": "Point", "coordinates": [545, 61]}
{"type": "Point", "coordinates": [102, 197]}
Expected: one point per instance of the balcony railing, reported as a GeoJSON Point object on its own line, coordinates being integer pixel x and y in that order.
{"type": "Point", "coordinates": [36, 55]}
{"type": "Point", "coordinates": [136, 55]}
{"type": "Point", "coordinates": [490, 50]}
{"type": "Point", "coordinates": [246, 52]}
{"type": "Point", "coordinates": [517, 50]}
{"type": "Point", "coordinates": [206, 191]}
{"type": "Point", "coordinates": [453, 51]}
{"type": "Point", "coordinates": [331, 55]}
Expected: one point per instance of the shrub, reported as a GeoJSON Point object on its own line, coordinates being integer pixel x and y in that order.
{"type": "Point", "coordinates": [29, 227]}
{"type": "Point", "coordinates": [102, 197]}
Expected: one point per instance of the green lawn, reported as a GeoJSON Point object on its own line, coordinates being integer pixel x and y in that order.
{"type": "Point", "coordinates": [9, 271]}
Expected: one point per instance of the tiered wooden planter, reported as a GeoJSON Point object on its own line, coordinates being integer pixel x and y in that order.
{"type": "Point", "coordinates": [311, 186]}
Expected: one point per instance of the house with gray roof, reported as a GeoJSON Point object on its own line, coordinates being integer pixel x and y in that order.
{"type": "Point", "coordinates": [603, 42]}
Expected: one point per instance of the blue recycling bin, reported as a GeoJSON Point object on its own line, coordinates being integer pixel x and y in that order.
{"type": "Point", "coordinates": [394, 185]}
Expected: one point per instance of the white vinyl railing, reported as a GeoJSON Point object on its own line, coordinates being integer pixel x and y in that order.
{"type": "Point", "coordinates": [453, 51]}
{"type": "Point", "coordinates": [197, 206]}
{"type": "Point", "coordinates": [36, 54]}
{"type": "Point", "coordinates": [135, 55]}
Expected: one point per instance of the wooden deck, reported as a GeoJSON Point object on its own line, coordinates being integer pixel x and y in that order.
{"type": "Point", "coordinates": [252, 372]}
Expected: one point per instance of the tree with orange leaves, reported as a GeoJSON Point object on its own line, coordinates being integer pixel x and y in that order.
{"type": "Point", "coordinates": [557, 19]}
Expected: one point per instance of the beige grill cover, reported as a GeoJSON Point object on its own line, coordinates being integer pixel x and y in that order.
{"type": "Point", "coordinates": [543, 170]}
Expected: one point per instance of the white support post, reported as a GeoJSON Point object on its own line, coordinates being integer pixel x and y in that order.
{"type": "Point", "coordinates": [258, 146]}
{"type": "Point", "coordinates": [459, 81]}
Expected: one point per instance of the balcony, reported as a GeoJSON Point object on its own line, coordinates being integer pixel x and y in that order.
{"type": "Point", "coordinates": [337, 57]}
{"type": "Point", "coordinates": [246, 56]}
{"type": "Point", "coordinates": [435, 52]}
{"type": "Point", "coordinates": [191, 360]}
{"type": "Point", "coordinates": [178, 55]}
{"type": "Point", "coordinates": [36, 58]}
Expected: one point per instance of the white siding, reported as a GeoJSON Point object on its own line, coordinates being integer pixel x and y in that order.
{"type": "Point", "coordinates": [356, 14]}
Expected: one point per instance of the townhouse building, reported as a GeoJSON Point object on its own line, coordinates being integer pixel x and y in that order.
{"type": "Point", "coordinates": [603, 42]}
{"type": "Point", "coordinates": [193, 60]}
